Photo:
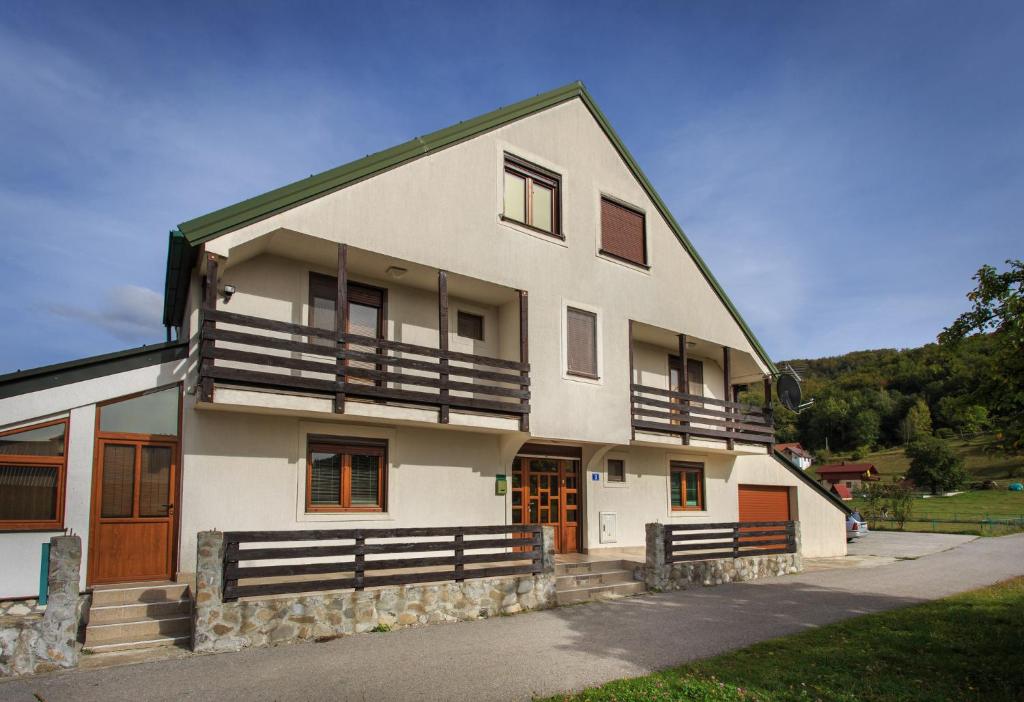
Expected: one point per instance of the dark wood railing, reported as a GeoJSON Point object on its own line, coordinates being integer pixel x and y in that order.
{"type": "Point", "coordinates": [357, 571]}
{"type": "Point", "coordinates": [667, 411]}
{"type": "Point", "coordinates": [703, 542]}
{"type": "Point", "coordinates": [356, 366]}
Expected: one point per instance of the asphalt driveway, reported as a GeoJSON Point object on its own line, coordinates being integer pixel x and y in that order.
{"type": "Point", "coordinates": [512, 658]}
{"type": "Point", "coordinates": [905, 544]}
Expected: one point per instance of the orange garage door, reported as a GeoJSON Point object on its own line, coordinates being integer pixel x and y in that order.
{"type": "Point", "coordinates": [764, 503]}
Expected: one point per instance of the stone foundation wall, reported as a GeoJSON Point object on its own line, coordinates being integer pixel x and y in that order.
{"type": "Point", "coordinates": [229, 626]}
{"type": "Point", "coordinates": [40, 642]}
{"type": "Point", "coordinates": [659, 575]}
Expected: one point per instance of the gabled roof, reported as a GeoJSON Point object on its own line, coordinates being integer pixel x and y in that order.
{"type": "Point", "coordinates": [189, 235]}
{"type": "Point", "coordinates": [796, 449]}
{"type": "Point", "coordinates": [866, 470]}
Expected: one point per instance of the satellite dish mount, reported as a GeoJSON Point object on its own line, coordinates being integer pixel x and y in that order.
{"type": "Point", "coordinates": [788, 389]}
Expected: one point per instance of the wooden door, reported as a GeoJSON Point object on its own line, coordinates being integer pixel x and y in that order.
{"type": "Point", "coordinates": [133, 511]}
{"type": "Point", "coordinates": [545, 491]}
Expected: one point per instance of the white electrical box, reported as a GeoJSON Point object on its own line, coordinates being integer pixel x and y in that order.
{"type": "Point", "coordinates": [609, 527]}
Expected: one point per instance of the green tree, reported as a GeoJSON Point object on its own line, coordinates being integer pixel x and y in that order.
{"type": "Point", "coordinates": [997, 307]}
{"type": "Point", "coordinates": [934, 465]}
{"type": "Point", "coordinates": [961, 415]}
{"type": "Point", "coordinates": [917, 423]}
{"type": "Point", "coordinates": [865, 428]}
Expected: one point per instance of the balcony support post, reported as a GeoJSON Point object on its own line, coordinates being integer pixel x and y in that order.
{"type": "Point", "coordinates": [524, 354]}
{"type": "Point", "coordinates": [442, 333]}
{"type": "Point", "coordinates": [769, 413]}
{"type": "Point", "coordinates": [341, 324]}
{"type": "Point", "coordinates": [727, 376]}
{"type": "Point", "coordinates": [208, 326]}
{"type": "Point", "coordinates": [632, 382]}
{"type": "Point", "coordinates": [684, 383]}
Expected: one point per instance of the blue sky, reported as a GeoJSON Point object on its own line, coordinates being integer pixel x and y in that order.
{"type": "Point", "coordinates": [843, 167]}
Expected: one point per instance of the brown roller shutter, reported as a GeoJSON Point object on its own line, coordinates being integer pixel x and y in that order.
{"type": "Point", "coordinates": [581, 340]}
{"type": "Point", "coordinates": [764, 503]}
{"type": "Point", "coordinates": [622, 232]}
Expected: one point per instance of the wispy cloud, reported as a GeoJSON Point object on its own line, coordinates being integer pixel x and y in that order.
{"type": "Point", "coordinates": [129, 313]}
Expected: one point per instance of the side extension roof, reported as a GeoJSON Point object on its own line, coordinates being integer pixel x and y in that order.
{"type": "Point", "coordinates": [184, 242]}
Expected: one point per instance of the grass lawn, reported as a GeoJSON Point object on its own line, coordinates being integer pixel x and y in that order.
{"type": "Point", "coordinates": [965, 647]}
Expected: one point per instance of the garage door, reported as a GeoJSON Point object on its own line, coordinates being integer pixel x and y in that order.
{"type": "Point", "coordinates": [764, 503]}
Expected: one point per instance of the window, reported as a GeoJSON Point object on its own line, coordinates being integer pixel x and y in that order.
{"type": "Point", "coordinates": [616, 470]}
{"type": "Point", "coordinates": [33, 464]}
{"type": "Point", "coordinates": [622, 232]}
{"type": "Point", "coordinates": [532, 196]}
{"type": "Point", "coordinates": [366, 310]}
{"type": "Point", "coordinates": [345, 475]}
{"type": "Point", "coordinates": [687, 486]}
{"type": "Point", "coordinates": [150, 414]}
{"type": "Point", "coordinates": [471, 326]}
{"type": "Point", "coordinates": [581, 342]}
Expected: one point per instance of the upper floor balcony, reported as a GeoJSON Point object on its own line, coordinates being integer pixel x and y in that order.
{"type": "Point", "coordinates": [418, 344]}
{"type": "Point", "coordinates": [670, 404]}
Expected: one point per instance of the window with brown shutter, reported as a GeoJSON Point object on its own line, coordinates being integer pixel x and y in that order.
{"type": "Point", "coordinates": [345, 474]}
{"type": "Point", "coordinates": [471, 326]}
{"type": "Point", "coordinates": [623, 232]}
{"type": "Point", "coordinates": [581, 342]}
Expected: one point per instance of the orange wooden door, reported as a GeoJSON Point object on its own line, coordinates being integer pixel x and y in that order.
{"type": "Point", "coordinates": [545, 491]}
{"type": "Point", "coordinates": [133, 511]}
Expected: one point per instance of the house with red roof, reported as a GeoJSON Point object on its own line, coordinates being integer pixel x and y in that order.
{"type": "Point", "coordinates": [797, 454]}
{"type": "Point", "coordinates": [850, 475]}
{"type": "Point", "coordinates": [842, 492]}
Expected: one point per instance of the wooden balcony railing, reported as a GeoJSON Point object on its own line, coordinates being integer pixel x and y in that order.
{"type": "Point", "coordinates": [702, 542]}
{"type": "Point", "coordinates": [243, 350]}
{"type": "Point", "coordinates": [670, 412]}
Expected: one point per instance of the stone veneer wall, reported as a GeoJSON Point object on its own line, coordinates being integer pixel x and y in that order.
{"type": "Point", "coordinates": [38, 643]}
{"type": "Point", "coordinates": [659, 575]}
{"type": "Point", "coordinates": [230, 626]}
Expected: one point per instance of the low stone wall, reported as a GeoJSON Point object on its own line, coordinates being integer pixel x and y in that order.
{"type": "Point", "coordinates": [659, 575]}
{"type": "Point", "coordinates": [38, 643]}
{"type": "Point", "coordinates": [230, 626]}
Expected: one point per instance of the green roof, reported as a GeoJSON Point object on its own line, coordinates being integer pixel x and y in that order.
{"type": "Point", "coordinates": [201, 229]}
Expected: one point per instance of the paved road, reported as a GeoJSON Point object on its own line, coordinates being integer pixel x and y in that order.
{"type": "Point", "coordinates": [512, 658]}
{"type": "Point", "coordinates": [905, 544]}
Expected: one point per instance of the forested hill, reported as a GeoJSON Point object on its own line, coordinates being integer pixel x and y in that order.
{"type": "Point", "coordinates": [866, 400]}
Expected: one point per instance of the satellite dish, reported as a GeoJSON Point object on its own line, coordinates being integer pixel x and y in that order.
{"type": "Point", "coordinates": [788, 388]}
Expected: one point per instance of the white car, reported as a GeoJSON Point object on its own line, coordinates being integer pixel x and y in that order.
{"type": "Point", "coordinates": [856, 526]}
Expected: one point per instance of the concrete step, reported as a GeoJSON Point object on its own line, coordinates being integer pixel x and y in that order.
{"type": "Point", "coordinates": [574, 582]}
{"type": "Point", "coordinates": [138, 630]}
{"type": "Point", "coordinates": [138, 593]}
{"type": "Point", "coordinates": [180, 640]}
{"type": "Point", "coordinates": [600, 592]}
{"type": "Point", "coordinates": [591, 567]}
{"type": "Point", "coordinates": [113, 614]}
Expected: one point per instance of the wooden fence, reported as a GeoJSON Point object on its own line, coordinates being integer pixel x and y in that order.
{"type": "Point", "coordinates": [317, 361]}
{"type": "Point", "coordinates": [667, 411]}
{"type": "Point", "coordinates": [702, 542]}
{"type": "Point", "coordinates": [357, 571]}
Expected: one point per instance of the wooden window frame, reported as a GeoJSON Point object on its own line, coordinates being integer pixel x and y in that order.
{"type": "Point", "coordinates": [682, 468]}
{"type": "Point", "coordinates": [58, 462]}
{"type": "Point", "coordinates": [597, 344]}
{"type": "Point", "coordinates": [458, 324]}
{"type": "Point", "coordinates": [646, 263]}
{"type": "Point", "coordinates": [346, 446]}
{"type": "Point", "coordinates": [549, 179]}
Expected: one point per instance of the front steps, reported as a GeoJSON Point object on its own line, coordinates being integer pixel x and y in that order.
{"type": "Point", "coordinates": [595, 580]}
{"type": "Point", "coordinates": [139, 615]}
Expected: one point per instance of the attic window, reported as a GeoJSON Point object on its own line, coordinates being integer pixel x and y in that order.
{"type": "Point", "coordinates": [623, 232]}
{"type": "Point", "coordinates": [532, 196]}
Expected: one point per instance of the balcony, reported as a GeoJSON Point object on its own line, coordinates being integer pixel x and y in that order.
{"type": "Point", "coordinates": [683, 387]}
{"type": "Point", "coordinates": [246, 358]}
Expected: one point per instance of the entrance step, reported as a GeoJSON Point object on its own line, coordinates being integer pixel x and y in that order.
{"type": "Point", "coordinates": [600, 592]}
{"type": "Point", "coordinates": [139, 615]}
{"type": "Point", "coordinates": [595, 580]}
